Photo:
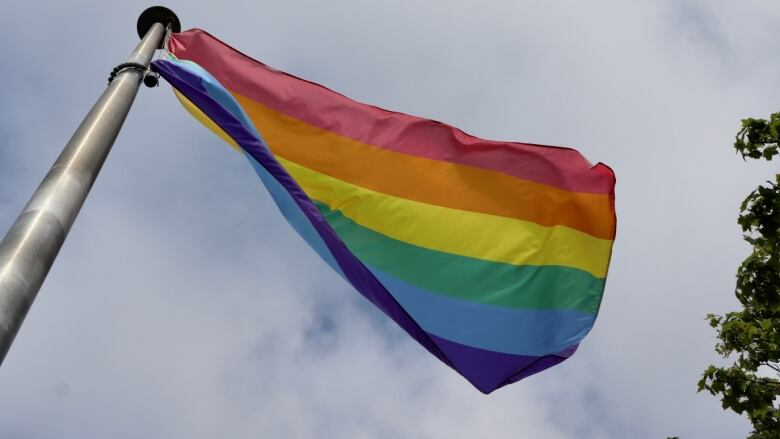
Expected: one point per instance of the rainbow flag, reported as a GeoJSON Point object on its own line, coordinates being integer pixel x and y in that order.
{"type": "Point", "coordinates": [492, 255]}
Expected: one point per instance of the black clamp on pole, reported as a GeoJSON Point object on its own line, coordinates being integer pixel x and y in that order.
{"type": "Point", "coordinates": [124, 66]}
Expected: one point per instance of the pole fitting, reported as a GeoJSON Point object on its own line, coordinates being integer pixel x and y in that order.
{"type": "Point", "coordinates": [151, 78]}
{"type": "Point", "coordinates": [157, 14]}
{"type": "Point", "coordinates": [124, 66]}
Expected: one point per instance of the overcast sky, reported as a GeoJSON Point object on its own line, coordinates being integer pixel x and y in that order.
{"type": "Point", "coordinates": [183, 306]}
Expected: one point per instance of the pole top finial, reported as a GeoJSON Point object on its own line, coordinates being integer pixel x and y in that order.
{"type": "Point", "coordinates": [157, 14]}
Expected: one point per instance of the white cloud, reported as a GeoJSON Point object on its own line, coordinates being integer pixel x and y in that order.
{"type": "Point", "coordinates": [183, 306]}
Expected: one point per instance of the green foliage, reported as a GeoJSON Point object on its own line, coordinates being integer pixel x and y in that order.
{"type": "Point", "coordinates": [759, 137]}
{"type": "Point", "coordinates": [751, 337]}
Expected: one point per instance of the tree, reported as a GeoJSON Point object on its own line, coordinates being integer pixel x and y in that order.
{"type": "Point", "coordinates": [751, 337]}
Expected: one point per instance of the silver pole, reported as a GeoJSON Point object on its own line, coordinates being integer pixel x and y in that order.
{"type": "Point", "coordinates": [29, 248]}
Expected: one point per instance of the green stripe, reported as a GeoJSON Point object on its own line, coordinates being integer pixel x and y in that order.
{"type": "Point", "coordinates": [477, 280]}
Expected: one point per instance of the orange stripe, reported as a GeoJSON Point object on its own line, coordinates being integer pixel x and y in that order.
{"type": "Point", "coordinates": [429, 181]}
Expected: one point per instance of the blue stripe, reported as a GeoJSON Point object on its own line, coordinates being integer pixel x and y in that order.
{"type": "Point", "coordinates": [218, 93]}
{"type": "Point", "coordinates": [280, 195]}
{"type": "Point", "coordinates": [293, 214]}
{"type": "Point", "coordinates": [494, 328]}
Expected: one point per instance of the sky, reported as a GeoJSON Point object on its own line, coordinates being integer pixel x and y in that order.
{"type": "Point", "coordinates": [182, 304]}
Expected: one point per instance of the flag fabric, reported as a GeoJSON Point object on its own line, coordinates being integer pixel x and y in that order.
{"type": "Point", "coordinates": [492, 255]}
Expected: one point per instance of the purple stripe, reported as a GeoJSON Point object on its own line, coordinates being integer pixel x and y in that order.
{"type": "Point", "coordinates": [486, 370]}
{"type": "Point", "coordinates": [489, 370]}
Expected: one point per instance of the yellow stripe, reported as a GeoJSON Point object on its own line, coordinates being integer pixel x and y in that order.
{"type": "Point", "coordinates": [473, 234]}
{"type": "Point", "coordinates": [205, 120]}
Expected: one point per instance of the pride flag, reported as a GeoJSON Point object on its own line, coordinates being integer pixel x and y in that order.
{"type": "Point", "coordinates": [492, 255]}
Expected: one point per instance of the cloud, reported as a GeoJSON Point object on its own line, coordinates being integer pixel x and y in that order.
{"type": "Point", "coordinates": [182, 305]}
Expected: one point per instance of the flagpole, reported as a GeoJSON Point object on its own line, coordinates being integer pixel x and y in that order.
{"type": "Point", "coordinates": [29, 248]}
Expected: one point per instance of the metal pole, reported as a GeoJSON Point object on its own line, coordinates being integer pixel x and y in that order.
{"type": "Point", "coordinates": [29, 248]}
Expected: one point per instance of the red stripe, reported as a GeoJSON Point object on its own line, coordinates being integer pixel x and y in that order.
{"type": "Point", "coordinates": [316, 105]}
